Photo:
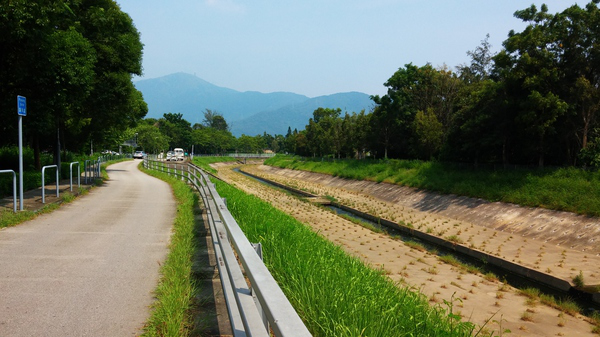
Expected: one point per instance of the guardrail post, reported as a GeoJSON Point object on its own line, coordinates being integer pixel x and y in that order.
{"type": "Point", "coordinates": [258, 248]}
{"type": "Point", "coordinates": [44, 182]}
{"type": "Point", "coordinates": [86, 168]}
{"type": "Point", "coordinates": [78, 174]}
{"type": "Point", "coordinates": [14, 188]}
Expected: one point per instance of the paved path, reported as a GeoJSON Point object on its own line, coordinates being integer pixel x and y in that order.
{"type": "Point", "coordinates": [88, 268]}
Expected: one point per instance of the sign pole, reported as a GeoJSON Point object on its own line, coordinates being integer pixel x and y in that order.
{"type": "Point", "coordinates": [21, 111]}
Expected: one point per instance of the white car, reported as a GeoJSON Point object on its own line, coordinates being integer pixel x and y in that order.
{"type": "Point", "coordinates": [171, 156]}
{"type": "Point", "coordinates": [139, 155]}
{"type": "Point", "coordinates": [179, 154]}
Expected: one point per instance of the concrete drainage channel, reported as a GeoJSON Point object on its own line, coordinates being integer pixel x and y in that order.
{"type": "Point", "coordinates": [515, 274]}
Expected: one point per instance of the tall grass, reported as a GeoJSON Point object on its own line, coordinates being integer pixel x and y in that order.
{"type": "Point", "coordinates": [171, 312]}
{"type": "Point", "coordinates": [334, 293]}
{"type": "Point", "coordinates": [566, 189]}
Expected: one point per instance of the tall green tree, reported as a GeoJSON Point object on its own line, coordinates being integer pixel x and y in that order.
{"type": "Point", "coordinates": [215, 120]}
{"type": "Point", "coordinates": [177, 129]}
{"type": "Point", "coordinates": [530, 69]}
{"type": "Point", "coordinates": [73, 60]}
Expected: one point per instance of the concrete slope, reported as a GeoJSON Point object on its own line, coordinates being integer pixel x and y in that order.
{"type": "Point", "coordinates": [89, 268]}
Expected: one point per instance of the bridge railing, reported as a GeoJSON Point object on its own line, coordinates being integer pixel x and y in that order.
{"type": "Point", "coordinates": [254, 309]}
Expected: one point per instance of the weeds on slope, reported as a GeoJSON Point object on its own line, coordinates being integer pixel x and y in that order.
{"type": "Point", "coordinates": [334, 293]}
{"type": "Point", "coordinates": [171, 312]}
{"type": "Point", "coordinates": [566, 189]}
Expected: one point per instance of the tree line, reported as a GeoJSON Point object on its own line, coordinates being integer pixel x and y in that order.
{"type": "Point", "coordinates": [212, 136]}
{"type": "Point", "coordinates": [534, 103]}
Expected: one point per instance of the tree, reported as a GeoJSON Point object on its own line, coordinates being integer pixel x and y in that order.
{"type": "Point", "coordinates": [413, 89]}
{"type": "Point", "coordinates": [531, 72]}
{"type": "Point", "coordinates": [481, 65]}
{"type": "Point", "coordinates": [215, 120]}
{"type": "Point", "coordinates": [177, 129]}
{"type": "Point", "coordinates": [247, 144]}
{"type": "Point", "coordinates": [73, 60]}
{"type": "Point", "coordinates": [323, 133]}
{"type": "Point", "coordinates": [429, 131]}
{"type": "Point", "coordinates": [151, 139]}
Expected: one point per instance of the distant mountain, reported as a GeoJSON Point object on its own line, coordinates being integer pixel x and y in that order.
{"type": "Point", "coordinates": [297, 115]}
{"type": "Point", "coordinates": [249, 112]}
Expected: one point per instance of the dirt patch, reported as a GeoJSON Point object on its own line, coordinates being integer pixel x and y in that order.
{"type": "Point", "coordinates": [489, 227]}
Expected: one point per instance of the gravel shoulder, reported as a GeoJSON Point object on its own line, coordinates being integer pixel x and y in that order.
{"type": "Point", "coordinates": [557, 243]}
{"type": "Point", "coordinates": [90, 267]}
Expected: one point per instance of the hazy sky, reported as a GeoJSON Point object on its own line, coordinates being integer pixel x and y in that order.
{"type": "Point", "coordinates": [316, 47]}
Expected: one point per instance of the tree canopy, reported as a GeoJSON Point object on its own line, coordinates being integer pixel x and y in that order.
{"type": "Point", "coordinates": [73, 60]}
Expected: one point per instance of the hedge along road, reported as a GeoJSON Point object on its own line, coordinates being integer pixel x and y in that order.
{"type": "Point", "coordinates": [90, 267]}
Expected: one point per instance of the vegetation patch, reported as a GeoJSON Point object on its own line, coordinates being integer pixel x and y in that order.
{"type": "Point", "coordinates": [334, 293]}
{"type": "Point", "coordinates": [172, 311]}
{"type": "Point", "coordinates": [566, 189]}
{"type": "Point", "coordinates": [204, 162]}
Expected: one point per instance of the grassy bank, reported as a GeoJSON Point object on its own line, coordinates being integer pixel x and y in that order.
{"type": "Point", "coordinates": [565, 189]}
{"type": "Point", "coordinates": [334, 293]}
{"type": "Point", "coordinates": [172, 311]}
{"type": "Point", "coordinates": [204, 162]}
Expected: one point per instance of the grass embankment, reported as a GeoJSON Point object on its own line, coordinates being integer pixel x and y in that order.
{"type": "Point", "coordinates": [172, 311]}
{"type": "Point", "coordinates": [204, 162]}
{"type": "Point", "coordinates": [565, 189]}
{"type": "Point", "coordinates": [334, 293]}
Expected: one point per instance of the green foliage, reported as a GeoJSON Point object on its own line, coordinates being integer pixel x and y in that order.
{"type": "Point", "coordinates": [204, 162]}
{"type": "Point", "coordinates": [578, 280]}
{"type": "Point", "coordinates": [150, 139]}
{"type": "Point", "coordinates": [171, 312]}
{"type": "Point", "coordinates": [334, 293]}
{"type": "Point", "coordinates": [73, 61]}
{"type": "Point", "coordinates": [566, 189]}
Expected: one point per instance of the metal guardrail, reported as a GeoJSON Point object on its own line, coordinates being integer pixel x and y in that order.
{"type": "Point", "coordinates": [246, 316]}
{"type": "Point", "coordinates": [14, 188]}
{"type": "Point", "coordinates": [78, 174]}
{"type": "Point", "coordinates": [44, 182]}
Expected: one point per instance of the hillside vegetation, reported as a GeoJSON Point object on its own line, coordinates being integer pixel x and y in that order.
{"type": "Point", "coordinates": [566, 189]}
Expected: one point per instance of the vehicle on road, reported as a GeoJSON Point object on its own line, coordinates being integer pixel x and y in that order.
{"type": "Point", "coordinates": [139, 155]}
{"type": "Point", "coordinates": [171, 156]}
{"type": "Point", "coordinates": [179, 154]}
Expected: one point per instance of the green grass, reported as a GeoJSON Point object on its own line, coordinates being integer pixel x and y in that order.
{"type": "Point", "coordinates": [172, 311]}
{"type": "Point", "coordinates": [334, 293]}
{"type": "Point", "coordinates": [565, 189]}
{"type": "Point", "coordinates": [204, 162]}
{"type": "Point", "coordinates": [8, 218]}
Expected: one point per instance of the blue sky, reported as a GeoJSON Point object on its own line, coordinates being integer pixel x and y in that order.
{"type": "Point", "coordinates": [315, 47]}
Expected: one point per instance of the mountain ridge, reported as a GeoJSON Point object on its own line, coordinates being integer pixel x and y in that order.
{"type": "Point", "coordinates": [248, 112]}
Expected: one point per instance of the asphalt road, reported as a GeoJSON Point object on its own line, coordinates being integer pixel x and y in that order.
{"type": "Point", "coordinates": [90, 267]}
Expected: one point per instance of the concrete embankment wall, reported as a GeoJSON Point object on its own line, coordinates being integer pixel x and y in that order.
{"type": "Point", "coordinates": [511, 267]}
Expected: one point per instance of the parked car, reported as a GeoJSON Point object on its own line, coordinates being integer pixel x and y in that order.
{"type": "Point", "coordinates": [179, 154]}
{"type": "Point", "coordinates": [171, 156]}
{"type": "Point", "coordinates": [139, 155]}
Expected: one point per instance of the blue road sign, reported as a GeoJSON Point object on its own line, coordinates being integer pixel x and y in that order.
{"type": "Point", "coordinates": [21, 106]}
